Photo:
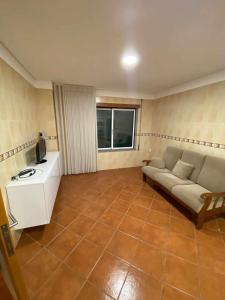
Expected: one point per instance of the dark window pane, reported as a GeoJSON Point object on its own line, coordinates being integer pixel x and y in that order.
{"type": "Point", "coordinates": [123, 128]}
{"type": "Point", "coordinates": [104, 125]}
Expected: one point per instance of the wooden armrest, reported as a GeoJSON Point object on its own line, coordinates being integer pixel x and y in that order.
{"type": "Point", "coordinates": [146, 161]}
{"type": "Point", "coordinates": [206, 196]}
{"type": "Point", "coordinates": [211, 201]}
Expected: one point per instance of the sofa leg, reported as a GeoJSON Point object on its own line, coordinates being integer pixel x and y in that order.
{"type": "Point", "coordinates": [144, 177]}
{"type": "Point", "coordinates": [200, 222]}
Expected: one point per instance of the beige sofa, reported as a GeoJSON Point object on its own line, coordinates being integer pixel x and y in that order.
{"type": "Point", "coordinates": [202, 192]}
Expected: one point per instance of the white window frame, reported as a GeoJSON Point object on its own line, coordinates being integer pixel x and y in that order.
{"type": "Point", "coordinates": [112, 128]}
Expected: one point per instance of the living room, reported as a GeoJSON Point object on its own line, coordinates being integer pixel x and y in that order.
{"type": "Point", "coordinates": [112, 153]}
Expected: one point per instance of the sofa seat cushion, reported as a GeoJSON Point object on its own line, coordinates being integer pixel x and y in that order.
{"type": "Point", "coordinates": [169, 180]}
{"type": "Point", "coordinates": [151, 171]}
{"type": "Point", "coordinates": [190, 195]}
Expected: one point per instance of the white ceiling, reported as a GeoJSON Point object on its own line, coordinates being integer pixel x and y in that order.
{"type": "Point", "coordinates": [81, 41]}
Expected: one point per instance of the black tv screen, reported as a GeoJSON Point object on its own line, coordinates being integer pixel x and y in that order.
{"type": "Point", "coordinates": [40, 150]}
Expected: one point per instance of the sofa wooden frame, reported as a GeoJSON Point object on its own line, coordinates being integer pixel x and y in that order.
{"type": "Point", "coordinates": [210, 200]}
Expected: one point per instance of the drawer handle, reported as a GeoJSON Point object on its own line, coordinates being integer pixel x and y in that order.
{"type": "Point", "coordinates": [13, 220]}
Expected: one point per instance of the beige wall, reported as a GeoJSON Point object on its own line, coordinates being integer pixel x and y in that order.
{"type": "Point", "coordinates": [46, 116]}
{"type": "Point", "coordinates": [131, 158]}
{"type": "Point", "coordinates": [20, 107]}
{"type": "Point", "coordinates": [196, 114]}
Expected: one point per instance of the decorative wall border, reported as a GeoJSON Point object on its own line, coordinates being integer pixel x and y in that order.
{"type": "Point", "coordinates": [180, 139]}
{"type": "Point", "coordinates": [14, 151]}
{"type": "Point", "coordinates": [51, 137]}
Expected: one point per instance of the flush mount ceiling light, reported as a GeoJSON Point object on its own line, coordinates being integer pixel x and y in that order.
{"type": "Point", "coordinates": [129, 61]}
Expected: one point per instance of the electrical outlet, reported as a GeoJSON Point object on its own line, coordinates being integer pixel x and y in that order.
{"type": "Point", "coordinates": [150, 150]}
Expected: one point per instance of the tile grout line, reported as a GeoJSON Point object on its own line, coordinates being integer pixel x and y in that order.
{"type": "Point", "coordinates": [72, 250]}
{"type": "Point", "coordinates": [129, 265]}
{"type": "Point", "coordinates": [63, 261]}
{"type": "Point", "coordinates": [165, 260]}
{"type": "Point", "coordinates": [182, 291]}
{"type": "Point", "coordinates": [107, 244]}
{"type": "Point", "coordinates": [197, 250]}
{"type": "Point", "coordinates": [105, 247]}
{"type": "Point", "coordinates": [116, 229]}
{"type": "Point", "coordinates": [147, 243]}
{"type": "Point", "coordinates": [138, 239]}
{"type": "Point", "coordinates": [45, 247]}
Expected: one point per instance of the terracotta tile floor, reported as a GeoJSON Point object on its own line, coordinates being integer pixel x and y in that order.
{"type": "Point", "coordinates": [4, 291]}
{"type": "Point", "coordinates": [113, 237]}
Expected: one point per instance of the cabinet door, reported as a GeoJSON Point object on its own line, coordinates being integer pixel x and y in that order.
{"type": "Point", "coordinates": [51, 188]}
{"type": "Point", "coordinates": [27, 204]}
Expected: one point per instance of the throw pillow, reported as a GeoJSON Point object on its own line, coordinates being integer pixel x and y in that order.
{"type": "Point", "coordinates": [182, 169]}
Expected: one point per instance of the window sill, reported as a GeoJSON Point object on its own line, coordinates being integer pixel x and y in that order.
{"type": "Point", "coordinates": [117, 150]}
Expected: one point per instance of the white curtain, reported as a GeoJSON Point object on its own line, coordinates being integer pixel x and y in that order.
{"type": "Point", "coordinates": [75, 108]}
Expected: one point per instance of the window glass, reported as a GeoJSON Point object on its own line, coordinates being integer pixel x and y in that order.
{"type": "Point", "coordinates": [104, 127]}
{"type": "Point", "coordinates": [123, 128]}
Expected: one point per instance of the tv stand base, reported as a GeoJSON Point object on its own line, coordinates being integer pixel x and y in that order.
{"type": "Point", "coordinates": [41, 162]}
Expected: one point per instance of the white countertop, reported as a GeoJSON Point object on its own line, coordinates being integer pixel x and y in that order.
{"type": "Point", "coordinates": [42, 171]}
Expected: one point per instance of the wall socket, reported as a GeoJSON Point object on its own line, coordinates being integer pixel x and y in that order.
{"type": "Point", "coordinates": [150, 150]}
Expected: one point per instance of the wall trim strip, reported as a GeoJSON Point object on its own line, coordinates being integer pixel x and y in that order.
{"type": "Point", "coordinates": [181, 139]}
{"type": "Point", "coordinates": [13, 62]}
{"type": "Point", "coordinates": [28, 144]}
{"type": "Point", "coordinates": [193, 84]}
{"type": "Point", "coordinates": [124, 94]}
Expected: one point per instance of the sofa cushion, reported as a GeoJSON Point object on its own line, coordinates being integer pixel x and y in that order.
{"type": "Point", "coordinates": [169, 180]}
{"type": "Point", "coordinates": [151, 171]}
{"type": "Point", "coordinates": [158, 162]}
{"type": "Point", "coordinates": [182, 169]}
{"type": "Point", "coordinates": [190, 195]}
{"type": "Point", "coordinates": [171, 156]}
{"type": "Point", "coordinates": [212, 175]}
{"type": "Point", "coordinates": [196, 159]}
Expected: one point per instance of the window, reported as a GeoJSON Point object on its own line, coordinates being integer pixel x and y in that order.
{"type": "Point", "coordinates": [115, 128]}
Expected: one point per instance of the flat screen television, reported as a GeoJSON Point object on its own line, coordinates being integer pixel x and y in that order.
{"type": "Point", "coordinates": [41, 151]}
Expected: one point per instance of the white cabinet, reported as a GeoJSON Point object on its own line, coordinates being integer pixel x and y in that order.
{"type": "Point", "coordinates": [31, 200]}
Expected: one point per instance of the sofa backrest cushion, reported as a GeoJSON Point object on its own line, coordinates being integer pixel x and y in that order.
{"type": "Point", "coordinates": [212, 175]}
{"type": "Point", "coordinates": [196, 159]}
{"type": "Point", "coordinates": [157, 162]}
{"type": "Point", "coordinates": [171, 156]}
